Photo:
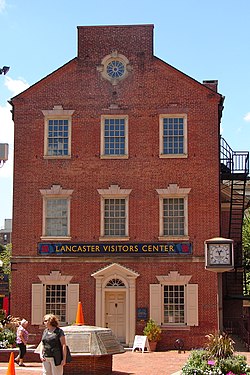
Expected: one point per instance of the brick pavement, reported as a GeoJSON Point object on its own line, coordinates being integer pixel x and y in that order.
{"type": "Point", "coordinates": [129, 363]}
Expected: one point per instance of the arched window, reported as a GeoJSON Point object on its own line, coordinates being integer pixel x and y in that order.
{"type": "Point", "coordinates": [115, 283]}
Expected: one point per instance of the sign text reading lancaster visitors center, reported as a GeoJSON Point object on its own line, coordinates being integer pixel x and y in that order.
{"type": "Point", "coordinates": [184, 248]}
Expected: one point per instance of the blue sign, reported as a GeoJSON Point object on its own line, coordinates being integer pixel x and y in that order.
{"type": "Point", "coordinates": [168, 248]}
{"type": "Point", "coordinates": [142, 313]}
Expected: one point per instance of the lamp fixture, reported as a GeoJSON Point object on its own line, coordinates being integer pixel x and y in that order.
{"type": "Point", "coordinates": [4, 70]}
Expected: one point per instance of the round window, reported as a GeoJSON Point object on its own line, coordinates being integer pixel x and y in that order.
{"type": "Point", "coordinates": [115, 69]}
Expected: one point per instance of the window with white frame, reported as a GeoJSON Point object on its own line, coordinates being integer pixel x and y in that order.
{"type": "Point", "coordinates": [56, 212]}
{"type": "Point", "coordinates": [174, 300]}
{"type": "Point", "coordinates": [173, 135]}
{"type": "Point", "coordinates": [114, 212]}
{"type": "Point", "coordinates": [56, 300]}
{"type": "Point", "coordinates": [56, 220]}
{"type": "Point", "coordinates": [174, 303]}
{"type": "Point", "coordinates": [114, 217]}
{"type": "Point", "coordinates": [54, 294]}
{"type": "Point", "coordinates": [114, 137]}
{"type": "Point", "coordinates": [173, 216]}
{"type": "Point", "coordinates": [173, 212]}
{"type": "Point", "coordinates": [57, 132]}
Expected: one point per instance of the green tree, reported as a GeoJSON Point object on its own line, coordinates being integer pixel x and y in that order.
{"type": "Point", "coordinates": [5, 255]}
{"type": "Point", "coordinates": [246, 249]}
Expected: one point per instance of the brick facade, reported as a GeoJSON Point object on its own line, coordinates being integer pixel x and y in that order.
{"type": "Point", "coordinates": [152, 88]}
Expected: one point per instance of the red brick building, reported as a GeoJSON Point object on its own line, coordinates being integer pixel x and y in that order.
{"type": "Point", "coordinates": [116, 188]}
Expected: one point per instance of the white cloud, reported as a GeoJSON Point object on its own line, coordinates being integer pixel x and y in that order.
{"type": "Point", "coordinates": [2, 5]}
{"type": "Point", "coordinates": [15, 86]}
{"type": "Point", "coordinates": [7, 125]}
{"type": "Point", "coordinates": [7, 136]}
{"type": "Point", "coordinates": [247, 117]}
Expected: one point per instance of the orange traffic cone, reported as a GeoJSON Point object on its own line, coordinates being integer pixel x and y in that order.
{"type": "Point", "coordinates": [79, 315]}
{"type": "Point", "coordinates": [11, 366]}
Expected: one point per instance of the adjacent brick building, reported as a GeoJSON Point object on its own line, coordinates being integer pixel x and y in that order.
{"type": "Point", "coordinates": [116, 188]}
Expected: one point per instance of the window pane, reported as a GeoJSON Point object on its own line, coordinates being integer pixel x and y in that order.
{"type": "Point", "coordinates": [173, 217]}
{"type": "Point", "coordinates": [114, 217]}
{"type": "Point", "coordinates": [173, 135]}
{"type": "Point", "coordinates": [58, 137]}
{"type": "Point", "coordinates": [56, 301]}
{"type": "Point", "coordinates": [174, 304]}
{"type": "Point", "coordinates": [114, 136]}
{"type": "Point", "coordinates": [56, 217]}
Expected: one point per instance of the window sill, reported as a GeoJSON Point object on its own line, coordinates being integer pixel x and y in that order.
{"type": "Point", "coordinates": [175, 328]}
{"type": "Point", "coordinates": [57, 157]}
{"type": "Point", "coordinates": [114, 156]}
{"type": "Point", "coordinates": [173, 238]}
{"type": "Point", "coordinates": [173, 156]}
{"type": "Point", "coordinates": [110, 239]}
{"type": "Point", "coordinates": [51, 238]}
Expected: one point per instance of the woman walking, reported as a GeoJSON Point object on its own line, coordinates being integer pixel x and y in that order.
{"type": "Point", "coordinates": [21, 339]}
{"type": "Point", "coordinates": [53, 348]}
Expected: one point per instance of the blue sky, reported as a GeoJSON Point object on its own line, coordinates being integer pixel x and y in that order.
{"type": "Point", "coordinates": [205, 39]}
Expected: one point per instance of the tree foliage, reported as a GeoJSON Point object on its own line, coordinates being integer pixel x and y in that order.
{"type": "Point", "coordinates": [5, 255]}
{"type": "Point", "coordinates": [246, 248]}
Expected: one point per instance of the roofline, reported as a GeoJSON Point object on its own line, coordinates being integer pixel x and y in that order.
{"type": "Point", "coordinates": [157, 58]}
{"type": "Point", "coordinates": [193, 79]}
{"type": "Point", "coordinates": [120, 26]}
{"type": "Point", "coordinates": [42, 79]}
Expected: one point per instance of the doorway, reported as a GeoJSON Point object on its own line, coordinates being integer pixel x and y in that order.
{"type": "Point", "coordinates": [116, 301]}
{"type": "Point", "coordinates": [115, 313]}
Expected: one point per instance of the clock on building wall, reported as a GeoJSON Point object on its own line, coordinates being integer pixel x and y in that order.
{"type": "Point", "coordinates": [219, 255]}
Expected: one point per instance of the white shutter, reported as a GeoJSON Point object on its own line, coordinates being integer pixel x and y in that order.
{"type": "Point", "coordinates": [155, 302]}
{"type": "Point", "coordinates": [192, 305]}
{"type": "Point", "coordinates": [72, 302]}
{"type": "Point", "coordinates": [37, 307]}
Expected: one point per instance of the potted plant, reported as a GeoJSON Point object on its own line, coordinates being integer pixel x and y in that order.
{"type": "Point", "coordinates": [153, 333]}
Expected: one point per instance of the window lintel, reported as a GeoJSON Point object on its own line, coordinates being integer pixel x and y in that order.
{"type": "Point", "coordinates": [56, 190]}
{"type": "Point", "coordinates": [173, 190]}
{"type": "Point", "coordinates": [57, 111]}
{"type": "Point", "coordinates": [114, 190]}
{"type": "Point", "coordinates": [174, 278]}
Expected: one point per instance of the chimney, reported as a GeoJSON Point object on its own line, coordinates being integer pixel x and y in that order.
{"type": "Point", "coordinates": [211, 84]}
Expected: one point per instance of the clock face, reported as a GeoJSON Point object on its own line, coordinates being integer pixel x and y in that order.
{"type": "Point", "coordinates": [219, 254]}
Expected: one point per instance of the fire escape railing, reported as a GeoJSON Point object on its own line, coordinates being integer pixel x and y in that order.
{"type": "Point", "coordinates": [233, 162]}
{"type": "Point", "coordinates": [235, 170]}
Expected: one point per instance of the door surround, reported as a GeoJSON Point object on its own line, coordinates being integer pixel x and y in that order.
{"type": "Point", "coordinates": [128, 277]}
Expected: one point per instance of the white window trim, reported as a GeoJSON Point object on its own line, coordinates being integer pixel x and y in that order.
{"type": "Point", "coordinates": [57, 113]}
{"type": "Point", "coordinates": [171, 156]}
{"type": "Point", "coordinates": [103, 155]}
{"type": "Point", "coordinates": [114, 192]}
{"type": "Point", "coordinates": [56, 192]}
{"type": "Point", "coordinates": [38, 296]}
{"type": "Point", "coordinates": [191, 299]}
{"type": "Point", "coordinates": [173, 191]}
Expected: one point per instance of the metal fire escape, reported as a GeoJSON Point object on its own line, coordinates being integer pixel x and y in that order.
{"type": "Point", "coordinates": [234, 174]}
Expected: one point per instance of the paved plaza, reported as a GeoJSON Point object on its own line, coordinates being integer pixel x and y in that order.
{"type": "Point", "coordinates": [130, 363]}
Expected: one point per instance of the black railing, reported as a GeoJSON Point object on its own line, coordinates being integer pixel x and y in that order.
{"type": "Point", "coordinates": [236, 326]}
{"type": "Point", "coordinates": [233, 161]}
{"type": "Point", "coordinates": [245, 337]}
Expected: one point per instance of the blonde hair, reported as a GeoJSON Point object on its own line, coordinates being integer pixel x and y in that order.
{"type": "Point", "coordinates": [52, 319]}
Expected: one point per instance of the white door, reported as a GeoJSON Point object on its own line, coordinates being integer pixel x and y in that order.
{"type": "Point", "coordinates": [115, 314]}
